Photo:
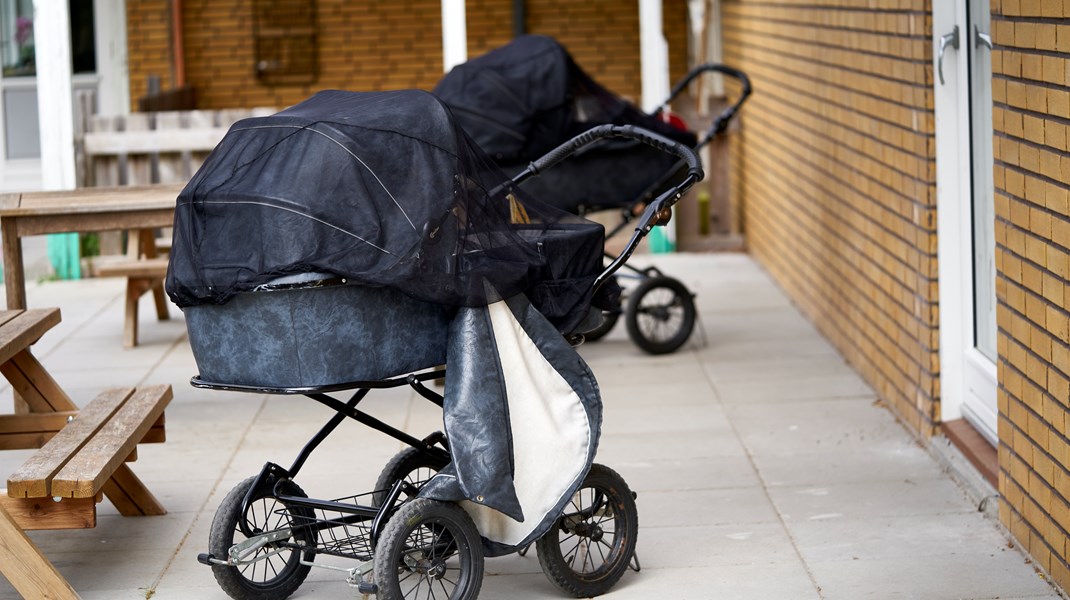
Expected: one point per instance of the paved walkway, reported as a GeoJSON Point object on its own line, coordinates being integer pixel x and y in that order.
{"type": "Point", "coordinates": [765, 467]}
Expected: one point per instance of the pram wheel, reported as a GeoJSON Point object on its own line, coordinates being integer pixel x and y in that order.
{"type": "Point", "coordinates": [609, 319]}
{"type": "Point", "coordinates": [429, 550]}
{"type": "Point", "coordinates": [591, 544]}
{"type": "Point", "coordinates": [660, 315]}
{"type": "Point", "coordinates": [412, 465]}
{"type": "Point", "coordinates": [279, 572]}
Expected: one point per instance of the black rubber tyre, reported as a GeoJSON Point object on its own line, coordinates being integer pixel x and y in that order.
{"type": "Point", "coordinates": [275, 577]}
{"type": "Point", "coordinates": [410, 464]}
{"type": "Point", "coordinates": [660, 315]}
{"type": "Point", "coordinates": [598, 531]}
{"type": "Point", "coordinates": [609, 319]}
{"type": "Point", "coordinates": [429, 550]}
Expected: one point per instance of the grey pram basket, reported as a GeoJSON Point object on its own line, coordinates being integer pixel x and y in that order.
{"type": "Point", "coordinates": [314, 330]}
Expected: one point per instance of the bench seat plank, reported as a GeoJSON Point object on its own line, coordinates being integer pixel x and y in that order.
{"type": "Point", "coordinates": [86, 472]}
{"type": "Point", "coordinates": [21, 432]}
{"type": "Point", "coordinates": [33, 479]}
{"type": "Point", "coordinates": [142, 267]}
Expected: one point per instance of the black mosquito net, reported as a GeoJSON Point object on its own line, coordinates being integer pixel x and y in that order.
{"type": "Point", "coordinates": [383, 189]}
{"type": "Point", "coordinates": [525, 98]}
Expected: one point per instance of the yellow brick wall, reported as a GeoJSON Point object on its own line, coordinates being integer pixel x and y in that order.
{"type": "Point", "coordinates": [1031, 116]}
{"type": "Point", "coordinates": [383, 44]}
{"type": "Point", "coordinates": [149, 45]}
{"type": "Point", "coordinates": [835, 172]}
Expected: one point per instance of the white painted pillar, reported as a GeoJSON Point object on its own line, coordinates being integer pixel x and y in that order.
{"type": "Point", "coordinates": [653, 55]}
{"type": "Point", "coordinates": [454, 34]}
{"type": "Point", "coordinates": [654, 67]}
{"type": "Point", "coordinates": [52, 40]}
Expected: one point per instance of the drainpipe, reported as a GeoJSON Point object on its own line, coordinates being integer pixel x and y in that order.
{"type": "Point", "coordinates": [520, 26]}
{"type": "Point", "coordinates": [454, 34]}
{"type": "Point", "coordinates": [178, 47]}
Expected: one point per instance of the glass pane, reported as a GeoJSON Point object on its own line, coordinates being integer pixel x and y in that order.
{"type": "Point", "coordinates": [83, 41]}
{"type": "Point", "coordinates": [21, 137]}
{"type": "Point", "coordinates": [984, 214]}
{"type": "Point", "coordinates": [16, 38]}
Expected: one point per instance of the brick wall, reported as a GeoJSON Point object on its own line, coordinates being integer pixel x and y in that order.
{"type": "Point", "coordinates": [1031, 116]}
{"type": "Point", "coordinates": [383, 44]}
{"type": "Point", "coordinates": [368, 45]}
{"type": "Point", "coordinates": [835, 169]}
{"type": "Point", "coordinates": [149, 45]}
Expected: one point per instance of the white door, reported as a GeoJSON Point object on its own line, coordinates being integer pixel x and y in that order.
{"type": "Point", "coordinates": [965, 212]}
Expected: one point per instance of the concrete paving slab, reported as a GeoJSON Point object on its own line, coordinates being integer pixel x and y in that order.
{"type": "Point", "coordinates": [970, 574]}
{"type": "Point", "coordinates": [922, 497]}
{"type": "Point", "coordinates": [810, 426]}
{"type": "Point", "coordinates": [893, 462]}
{"type": "Point", "coordinates": [876, 538]}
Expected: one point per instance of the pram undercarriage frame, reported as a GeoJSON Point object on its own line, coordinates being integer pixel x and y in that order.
{"type": "Point", "coordinates": [393, 534]}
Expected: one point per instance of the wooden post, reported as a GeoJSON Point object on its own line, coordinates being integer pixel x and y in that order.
{"type": "Point", "coordinates": [22, 563]}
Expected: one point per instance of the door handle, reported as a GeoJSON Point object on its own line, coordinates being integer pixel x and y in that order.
{"type": "Point", "coordinates": [980, 37]}
{"type": "Point", "coordinates": [951, 39]}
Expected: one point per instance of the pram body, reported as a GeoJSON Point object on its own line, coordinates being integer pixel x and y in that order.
{"type": "Point", "coordinates": [529, 95]}
{"type": "Point", "coordinates": [284, 291]}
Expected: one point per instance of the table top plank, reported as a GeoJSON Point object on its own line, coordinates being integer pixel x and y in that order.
{"type": "Point", "coordinates": [91, 200]}
{"type": "Point", "coordinates": [19, 329]}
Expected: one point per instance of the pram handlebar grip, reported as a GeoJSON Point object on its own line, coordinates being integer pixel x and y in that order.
{"type": "Point", "coordinates": [595, 134]}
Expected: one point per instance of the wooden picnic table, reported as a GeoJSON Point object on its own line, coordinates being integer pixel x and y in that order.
{"type": "Point", "coordinates": [82, 210]}
{"type": "Point", "coordinates": [81, 455]}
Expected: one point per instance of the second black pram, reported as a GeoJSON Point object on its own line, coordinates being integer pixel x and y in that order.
{"type": "Point", "coordinates": [522, 99]}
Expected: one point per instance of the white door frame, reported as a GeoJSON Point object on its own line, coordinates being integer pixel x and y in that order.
{"type": "Point", "coordinates": [963, 370]}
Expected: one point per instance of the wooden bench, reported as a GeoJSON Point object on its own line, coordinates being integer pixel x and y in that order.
{"type": "Point", "coordinates": [143, 274]}
{"type": "Point", "coordinates": [81, 455]}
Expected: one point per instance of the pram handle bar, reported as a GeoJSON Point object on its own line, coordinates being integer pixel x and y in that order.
{"type": "Point", "coordinates": [555, 156]}
{"type": "Point", "coordinates": [722, 120]}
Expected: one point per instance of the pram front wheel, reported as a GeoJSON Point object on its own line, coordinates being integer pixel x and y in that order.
{"type": "Point", "coordinates": [412, 465]}
{"type": "Point", "coordinates": [429, 550]}
{"type": "Point", "coordinates": [591, 544]}
{"type": "Point", "coordinates": [660, 315]}
{"type": "Point", "coordinates": [274, 571]}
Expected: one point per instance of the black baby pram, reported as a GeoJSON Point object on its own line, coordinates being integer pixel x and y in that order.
{"type": "Point", "coordinates": [357, 237]}
{"type": "Point", "coordinates": [524, 98]}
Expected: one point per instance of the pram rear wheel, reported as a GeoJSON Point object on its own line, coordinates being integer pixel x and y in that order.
{"type": "Point", "coordinates": [609, 319]}
{"type": "Point", "coordinates": [411, 465]}
{"type": "Point", "coordinates": [660, 315]}
{"type": "Point", "coordinates": [591, 545]}
{"type": "Point", "coordinates": [279, 572]}
{"type": "Point", "coordinates": [429, 550]}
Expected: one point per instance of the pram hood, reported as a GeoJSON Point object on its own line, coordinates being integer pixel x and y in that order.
{"type": "Point", "coordinates": [383, 189]}
{"type": "Point", "coordinates": [521, 100]}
